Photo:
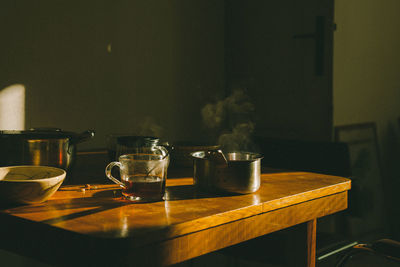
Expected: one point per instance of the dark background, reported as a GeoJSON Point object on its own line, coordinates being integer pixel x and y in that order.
{"type": "Point", "coordinates": [150, 67]}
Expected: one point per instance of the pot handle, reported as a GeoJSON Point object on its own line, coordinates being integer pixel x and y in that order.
{"type": "Point", "coordinates": [167, 145]}
{"type": "Point", "coordinates": [82, 137]}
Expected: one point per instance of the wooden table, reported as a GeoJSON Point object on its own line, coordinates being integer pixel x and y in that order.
{"type": "Point", "coordinates": [97, 227]}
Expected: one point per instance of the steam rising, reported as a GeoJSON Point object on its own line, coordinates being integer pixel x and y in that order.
{"type": "Point", "coordinates": [232, 118]}
{"type": "Point", "coordinates": [149, 127]}
{"type": "Point", "coordinates": [239, 139]}
{"type": "Point", "coordinates": [238, 104]}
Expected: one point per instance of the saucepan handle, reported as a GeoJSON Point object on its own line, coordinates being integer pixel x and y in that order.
{"type": "Point", "coordinates": [83, 136]}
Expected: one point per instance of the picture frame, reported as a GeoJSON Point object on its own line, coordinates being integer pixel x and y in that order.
{"type": "Point", "coordinates": [366, 198]}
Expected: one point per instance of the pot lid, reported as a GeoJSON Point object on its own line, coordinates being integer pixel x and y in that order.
{"type": "Point", "coordinates": [44, 133]}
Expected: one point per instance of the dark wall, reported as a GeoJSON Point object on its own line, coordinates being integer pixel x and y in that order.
{"type": "Point", "coordinates": [144, 67]}
{"type": "Point", "coordinates": [281, 53]}
{"type": "Point", "coordinates": [150, 67]}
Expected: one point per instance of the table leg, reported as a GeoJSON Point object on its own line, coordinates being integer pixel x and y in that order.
{"type": "Point", "coordinates": [311, 242]}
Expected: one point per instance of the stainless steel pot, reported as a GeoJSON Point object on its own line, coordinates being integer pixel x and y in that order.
{"type": "Point", "coordinates": [240, 174]}
{"type": "Point", "coordinates": [47, 147]}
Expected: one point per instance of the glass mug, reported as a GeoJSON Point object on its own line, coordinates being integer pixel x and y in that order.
{"type": "Point", "coordinates": [143, 174]}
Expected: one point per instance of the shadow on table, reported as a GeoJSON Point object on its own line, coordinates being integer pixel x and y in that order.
{"type": "Point", "coordinates": [102, 201]}
{"type": "Point", "coordinates": [178, 192]}
{"type": "Point", "coordinates": [59, 207]}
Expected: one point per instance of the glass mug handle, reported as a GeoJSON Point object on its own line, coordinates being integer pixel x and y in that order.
{"type": "Point", "coordinates": [109, 175]}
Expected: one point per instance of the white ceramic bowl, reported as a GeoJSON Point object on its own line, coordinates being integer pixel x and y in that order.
{"type": "Point", "coordinates": [29, 184]}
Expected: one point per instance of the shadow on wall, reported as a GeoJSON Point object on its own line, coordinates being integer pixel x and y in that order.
{"type": "Point", "coordinates": [12, 107]}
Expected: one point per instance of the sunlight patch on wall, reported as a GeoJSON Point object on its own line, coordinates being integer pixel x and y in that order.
{"type": "Point", "coordinates": [12, 107]}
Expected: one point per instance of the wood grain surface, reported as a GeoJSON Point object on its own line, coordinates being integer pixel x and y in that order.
{"type": "Point", "coordinates": [90, 219]}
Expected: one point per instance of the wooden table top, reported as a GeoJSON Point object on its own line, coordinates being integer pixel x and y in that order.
{"type": "Point", "coordinates": [101, 212]}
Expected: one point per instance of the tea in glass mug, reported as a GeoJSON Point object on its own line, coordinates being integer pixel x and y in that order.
{"type": "Point", "coordinates": [143, 175]}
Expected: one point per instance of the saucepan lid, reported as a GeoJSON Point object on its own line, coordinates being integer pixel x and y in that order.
{"type": "Point", "coordinates": [47, 133]}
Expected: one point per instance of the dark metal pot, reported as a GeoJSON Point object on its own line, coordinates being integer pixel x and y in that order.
{"type": "Point", "coordinates": [240, 174]}
{"type": "Point", "coordinates": [119, 144]}
{"type": "Point", "coordinates": [46, 147]}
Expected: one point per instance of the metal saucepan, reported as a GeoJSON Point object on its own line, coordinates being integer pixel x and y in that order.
{"type": "Point", "coordinates": [43, 146]}
{"type": "Point", "coordinates": [239, 174]}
